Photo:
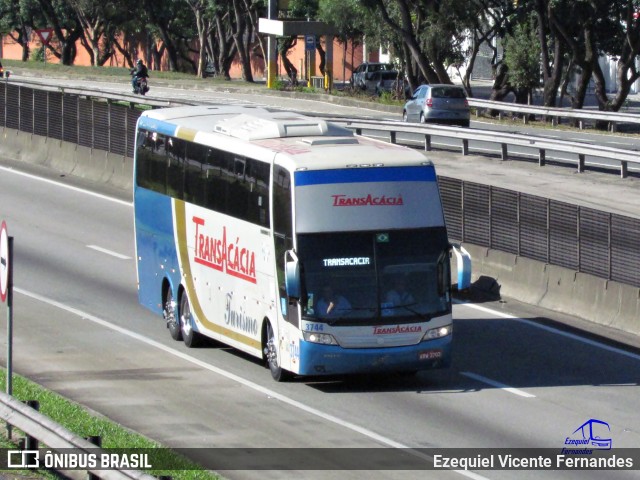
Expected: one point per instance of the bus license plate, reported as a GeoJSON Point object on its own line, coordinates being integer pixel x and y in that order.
{"type": "Point", "coordinates": [430, 355]}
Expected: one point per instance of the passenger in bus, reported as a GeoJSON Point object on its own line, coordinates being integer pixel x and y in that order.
{"type": "Point", "coordinates": [399, 295]}
{"type": "Point", "coordinates": [332, 304]}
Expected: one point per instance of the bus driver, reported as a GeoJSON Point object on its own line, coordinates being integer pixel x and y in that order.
{"type": "Point", "coordinates": [331, 304]}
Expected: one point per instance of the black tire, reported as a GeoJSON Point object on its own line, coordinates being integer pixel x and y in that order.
{"type": "Point", "coordinates": [190, 337]}
{"type": "Point", "coordinates": [271, 354]}
{"type": "Point", "coordinates": [465, 123]}
{"type": "Point", "coordinates": [169, 314]}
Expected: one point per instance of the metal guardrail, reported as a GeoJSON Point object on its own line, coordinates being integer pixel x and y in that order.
{"type": "Point", "coordinates": [505, 140]}
{"type": "Point", "coordinates": [613, 118]}
{"type": "Point", "coordinates": [38, 426]}
{"type": "Point", "coordinates": [100, 93]}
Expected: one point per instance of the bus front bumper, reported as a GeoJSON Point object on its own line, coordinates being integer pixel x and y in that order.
{"type": "Point", "coordinates": [317, 359]}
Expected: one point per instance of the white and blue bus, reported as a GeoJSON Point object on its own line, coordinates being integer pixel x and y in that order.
{"type": "Point", "coordinates": [293, 240]}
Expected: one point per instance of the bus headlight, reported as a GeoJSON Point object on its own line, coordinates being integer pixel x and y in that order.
{"type": "Point", "coordinates": [322, 338]}
{"type": "Point", "coordinates": [439, 332]}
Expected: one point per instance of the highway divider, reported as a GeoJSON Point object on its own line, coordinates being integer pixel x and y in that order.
{"type": "Point", "coordinates": [68, 158]}
{"type": "Point", "coordinates": [604, 302]}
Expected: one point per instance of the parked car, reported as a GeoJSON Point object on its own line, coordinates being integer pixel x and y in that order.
{"type": "Point", "coordinates": [384, 81]}
{"type": "Point", "coordinates": [363, 75]}
{"type": "Point", "coordinates": [438, 104]}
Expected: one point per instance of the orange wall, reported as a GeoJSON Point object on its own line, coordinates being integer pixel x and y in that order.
{"type": "Point", "coordinates": [13, 51]}
{"type": "Point", "coordinates": [352, 58]}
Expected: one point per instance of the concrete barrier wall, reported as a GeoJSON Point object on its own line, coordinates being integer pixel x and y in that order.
{"type": "Point", "coordinates": [68, 158]}
{"type": "Point", "coordinates": [601, 301]}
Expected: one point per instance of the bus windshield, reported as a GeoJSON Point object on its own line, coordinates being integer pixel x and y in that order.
{"type": "Point", "coordinates": [374, 278]}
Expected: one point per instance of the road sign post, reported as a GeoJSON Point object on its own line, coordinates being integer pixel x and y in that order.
{"type": "Point", "coordinates": [6, 294]}
{"type": "Point", "coordinates": [310, 49]}
{"type": "Point", "coordinates": [45, 35]}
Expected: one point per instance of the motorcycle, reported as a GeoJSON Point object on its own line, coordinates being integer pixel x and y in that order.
{"type": "Point", "coordinates": [142, 86]}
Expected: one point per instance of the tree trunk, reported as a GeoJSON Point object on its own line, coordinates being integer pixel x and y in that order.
{"type": "Point", "coordinates": [501, 86]}
{"type": "Point", "coordinates": [323, 56]}
{"type": "Point", "coordinates": [241, 41]}
{"type": "Point", "coordinates": [406, 33]}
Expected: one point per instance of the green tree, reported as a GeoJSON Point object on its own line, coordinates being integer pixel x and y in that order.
{"type": "Point", "coordinates": [619, 37]}
{"type": "Point", "coordinates": [67, 28]}
{"type": "Point", "coordinates": [352, 22]}
{"type": "Point", "coordinates": [175, 27]}
{"type": "Point", "coordinates": [17, 18]}
{"type": "Point", "coordinates": [522, 58]}
{"type": "Point", "coordinates": [102, 21]}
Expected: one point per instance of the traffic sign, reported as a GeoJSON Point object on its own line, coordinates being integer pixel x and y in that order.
{"type": "Point", "coordinates": [4, 261]}
{"type": "Point", "coordinates": [310, 43]}
{"type": "Point", "coordinates": [45, 35]}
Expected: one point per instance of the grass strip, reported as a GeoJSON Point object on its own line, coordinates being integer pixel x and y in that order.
{"type": "Point", "coordinates": [79, 420]}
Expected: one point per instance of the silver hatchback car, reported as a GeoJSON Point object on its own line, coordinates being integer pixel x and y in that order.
{"type": "Point", "coordinates": [438, 104]}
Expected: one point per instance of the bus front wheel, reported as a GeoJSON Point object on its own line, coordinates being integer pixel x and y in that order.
{"type": "Point", "coordinates": [190, 337]}
{"type": "Point", "coordinates": [271, 355]}
{"type": "Point", "coordinates": [169, 313]}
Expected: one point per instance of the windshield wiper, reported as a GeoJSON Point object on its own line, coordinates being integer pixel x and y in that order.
{"type": "Point", "coordinates": [408, 306]}
{"type": "Point", "coordinates": [334, 320]}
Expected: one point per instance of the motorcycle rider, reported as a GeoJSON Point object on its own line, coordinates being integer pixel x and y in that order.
{"type": "Point", "coordinates": [140, 71]}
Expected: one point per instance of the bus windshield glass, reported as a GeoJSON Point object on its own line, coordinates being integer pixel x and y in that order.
{"type": "Point", "coordinates": [374, 278]}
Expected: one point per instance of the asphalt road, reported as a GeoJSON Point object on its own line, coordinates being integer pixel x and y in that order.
{"type": "Point", "coordinates": [518, 379]}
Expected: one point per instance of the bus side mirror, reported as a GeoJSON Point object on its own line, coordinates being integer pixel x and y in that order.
{"type": "Point", "coordinates": [292, 275]}
{"type": "Point", "coordinates": [463, 261]}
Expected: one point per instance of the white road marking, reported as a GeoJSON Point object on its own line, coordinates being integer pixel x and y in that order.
{"type": "Point", "coordinates": [496, 384]}
{"type": "Point", "coordinates": [572, 336]}
{"type": "Point", "coordinates": [69, 187]}
{"type": "Point", "coordinates": [109, 252]}
{"type": "Point", "coordinates": [242, 381]}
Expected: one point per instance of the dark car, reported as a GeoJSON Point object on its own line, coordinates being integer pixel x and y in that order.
{"type": "Point", "coordinates": [362, 76]}
{"type": "Point", "coordinates": [438, 104]}
{"type": "Point", "coordinates": [384, 81]}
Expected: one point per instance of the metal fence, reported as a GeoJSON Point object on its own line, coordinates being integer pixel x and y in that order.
{"type": "Point", "coordinates": [582, 239]}
{"type": "Point", "coordinates": [93, 123]}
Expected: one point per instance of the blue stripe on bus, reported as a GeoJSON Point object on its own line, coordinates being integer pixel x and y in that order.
{"type": "Point", "coordinates": [156, 125]}
{"type": "Point", "coordinates": [362, 175]}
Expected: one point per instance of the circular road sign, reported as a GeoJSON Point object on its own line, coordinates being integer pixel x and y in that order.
{"type": "Point", "coordinates": [4, 261]}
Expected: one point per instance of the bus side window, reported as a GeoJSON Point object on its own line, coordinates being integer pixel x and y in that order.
{"type": "Point", "coordinates": [257, 177]}
{"type": "Point", "coordinates": [194, 173]}
{"type": "Point", "coordinates": [237, 194]}
{"type": "Point", "coordinates": [215, 185]}
{"type": "Point", "coordinates": [175, 166]}
{"type": "Point", "coordinates": [151, 170]}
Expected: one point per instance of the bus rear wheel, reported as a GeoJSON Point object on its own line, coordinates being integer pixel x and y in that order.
{"type": "Point", "coordinates": [190, 337]}
{"type": "Point", "coordinates": [271, 354]}
{"type": "Point", "coordinates": [169, 313]}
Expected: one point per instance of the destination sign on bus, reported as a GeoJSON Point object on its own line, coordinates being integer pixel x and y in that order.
{"type": "Point", "coordinates": [346, 262]}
